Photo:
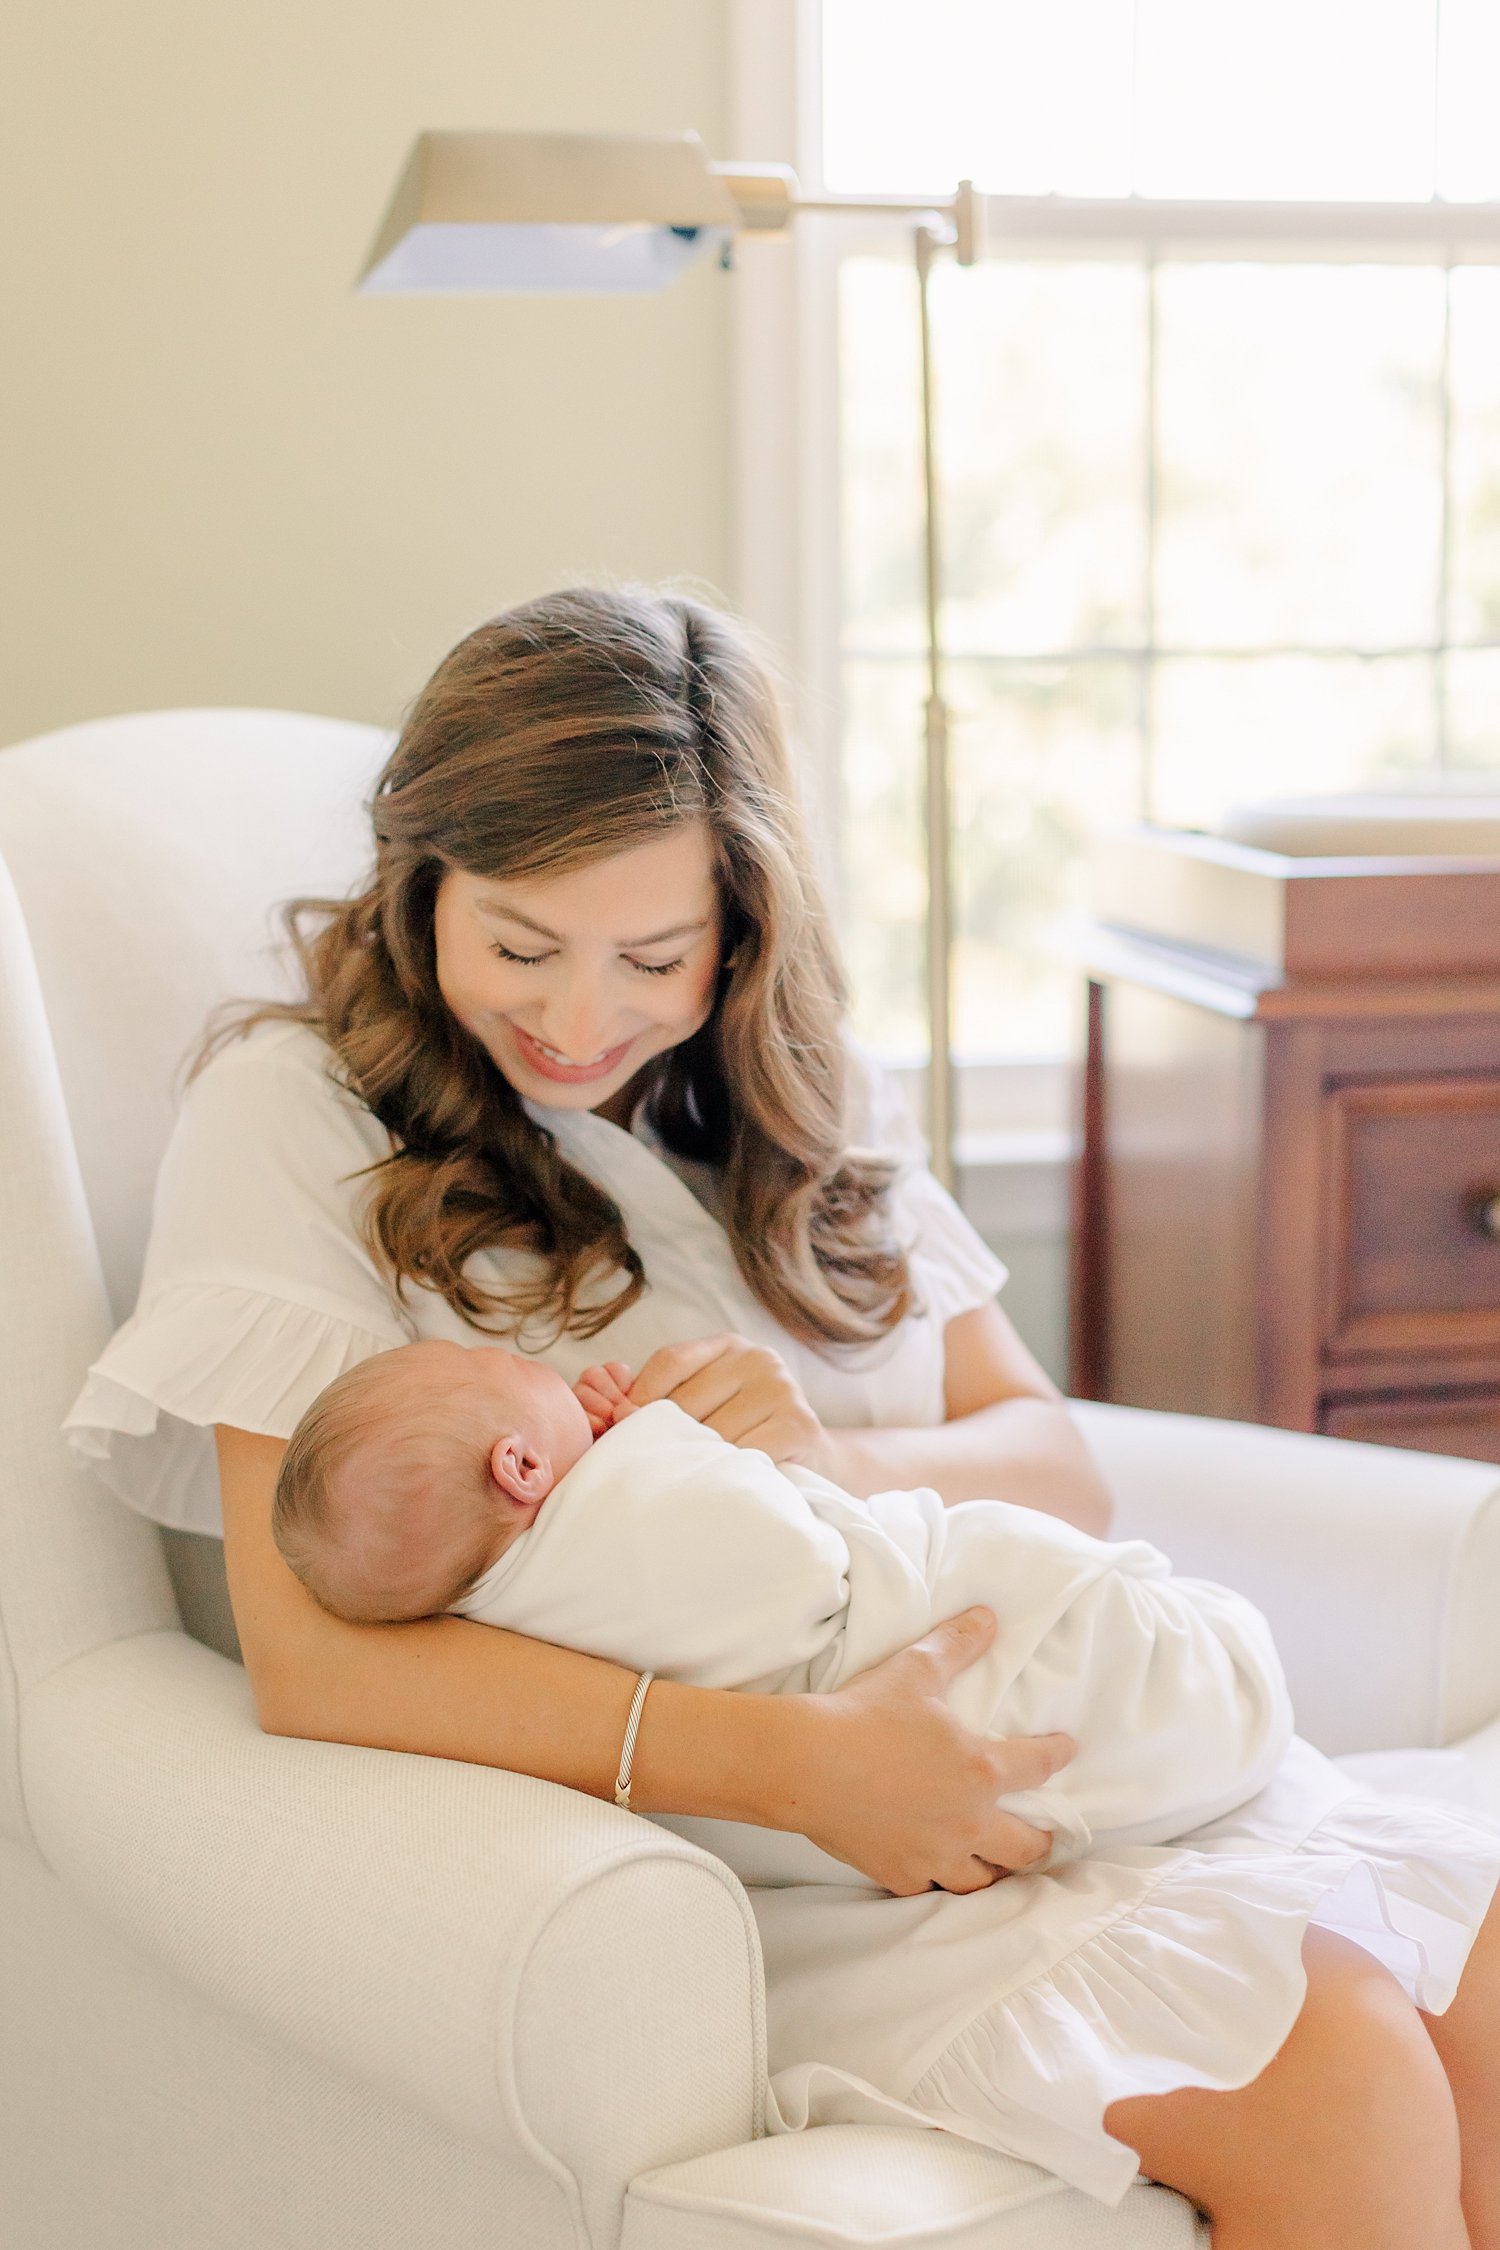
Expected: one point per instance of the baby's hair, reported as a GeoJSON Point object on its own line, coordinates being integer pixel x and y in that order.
{"type": "Point", "coordinates": [336, 1552]}
{"type": "Point", "coordinates": [301, 1512]}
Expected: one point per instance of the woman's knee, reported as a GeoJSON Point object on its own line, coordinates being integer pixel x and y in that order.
{"type": "Point", "coordinates": [1349, 2133]}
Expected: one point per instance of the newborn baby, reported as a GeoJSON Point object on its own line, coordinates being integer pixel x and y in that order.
{"type": "Point", "coordinates": [440, 1477]}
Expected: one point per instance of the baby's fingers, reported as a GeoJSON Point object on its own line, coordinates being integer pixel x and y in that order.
{"type": "Point", "coordinates": [596, 1398]}
{"type": "Point", "coordinates": [602, 1392]}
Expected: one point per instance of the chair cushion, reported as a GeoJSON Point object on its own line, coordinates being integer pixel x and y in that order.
{"type": "Point", "coordinates": [864, 2187]}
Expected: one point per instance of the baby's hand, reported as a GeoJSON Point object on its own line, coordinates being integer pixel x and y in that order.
{"type": "Point", "coordinates": [604, 1394]}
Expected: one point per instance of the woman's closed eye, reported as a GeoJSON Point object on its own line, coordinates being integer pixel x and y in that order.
{"type": "Point", "coordinates": [534, 960]}
{"type": "Point", "coordinates": [522, 960]}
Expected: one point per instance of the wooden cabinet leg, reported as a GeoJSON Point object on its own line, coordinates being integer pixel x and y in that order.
{"type": "Point", "coordinates": [1088, 1243]}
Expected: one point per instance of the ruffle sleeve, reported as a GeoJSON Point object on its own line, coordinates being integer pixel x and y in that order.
{"type": "Point", "coordinates": [201, 1354]}
{"type": "Point", "coordinates": [257, 1290]}
{"type": "Point", "coordinates": [954, 1267]}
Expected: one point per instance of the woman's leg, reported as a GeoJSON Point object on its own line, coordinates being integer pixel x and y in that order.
{"type": "Point", "coordinates": [1348, 2140]}
{"type": "Point", "coordinates": [1467, 2039]}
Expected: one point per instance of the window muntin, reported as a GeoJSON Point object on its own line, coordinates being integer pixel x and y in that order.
{"type": "Point", "coordinates": [1212, 531]}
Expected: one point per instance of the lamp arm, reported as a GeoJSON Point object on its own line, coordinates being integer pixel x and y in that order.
{"type": "Point", "coordinates": [768, 198]}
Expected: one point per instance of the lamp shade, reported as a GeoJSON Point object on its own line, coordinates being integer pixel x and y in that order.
{"type": "Point", "coordinates": [548, 213]}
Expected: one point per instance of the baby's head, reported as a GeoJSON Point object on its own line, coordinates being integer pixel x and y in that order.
{"type": "Point", "coordinates": [408, 1475]}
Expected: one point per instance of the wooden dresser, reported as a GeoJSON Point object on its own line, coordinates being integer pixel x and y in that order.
{"type": "Point", "coordinates": [1287, 1203]}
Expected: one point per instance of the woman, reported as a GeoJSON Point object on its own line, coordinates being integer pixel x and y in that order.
{"type": "Point", "coordinates": [570, 1071]}
{"type": "Point", "coordinates": [562, 745]}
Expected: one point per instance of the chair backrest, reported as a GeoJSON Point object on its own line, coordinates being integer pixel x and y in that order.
{"type": "Point", "coordinates": [149, 854]}
{"type": "Point", "coordinates": [141, 863]}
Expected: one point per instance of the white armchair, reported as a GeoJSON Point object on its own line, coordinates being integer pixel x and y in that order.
{"type": "Point", "coordinates": [257, 1991]}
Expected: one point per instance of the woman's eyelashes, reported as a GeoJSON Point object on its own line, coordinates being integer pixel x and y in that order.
{"type": "Point", "coordinates": [534, 960]}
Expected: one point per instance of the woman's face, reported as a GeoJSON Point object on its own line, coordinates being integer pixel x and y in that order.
{"type": "Point", "coordinates": [572, 982]}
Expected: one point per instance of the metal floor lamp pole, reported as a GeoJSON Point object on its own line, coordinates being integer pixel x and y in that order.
{"type": "Point", "coordinates": [937, 792]}
{"type": "Point", "coordinates": [962, 238]}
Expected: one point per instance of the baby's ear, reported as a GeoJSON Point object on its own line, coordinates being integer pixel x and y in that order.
{"type": "Point", "coordinates": [523, 1474]}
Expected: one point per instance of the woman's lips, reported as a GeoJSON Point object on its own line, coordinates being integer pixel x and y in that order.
{"type": "Point", "coordinates": [546, 1065]}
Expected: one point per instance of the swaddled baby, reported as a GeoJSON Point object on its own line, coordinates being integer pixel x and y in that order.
{"type": "Point", "coordinates": [440, 1477]}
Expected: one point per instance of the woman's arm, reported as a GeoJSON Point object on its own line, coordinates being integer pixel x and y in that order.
{"type": "Point", "coordinates": [881, 1774]}
{"type": "Point", "coordinates": [1008, 1435]}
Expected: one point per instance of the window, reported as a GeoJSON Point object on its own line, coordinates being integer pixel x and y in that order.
{"type": "Point", "coordinates": [1215, 527]}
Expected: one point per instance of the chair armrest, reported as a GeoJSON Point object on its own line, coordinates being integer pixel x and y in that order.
{"type": "Point", "coordinates": [1378, 1569]}
{"type": "Point", "coordinates": [547, 1975]}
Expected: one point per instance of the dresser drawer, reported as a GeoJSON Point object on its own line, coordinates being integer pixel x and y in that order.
{"type": "Point", "coordinates": [1413, 1179]}
{"type": "Point", "coordinates": [1462, 1422]}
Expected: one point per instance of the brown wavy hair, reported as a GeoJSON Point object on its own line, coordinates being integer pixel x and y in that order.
{"type": "Point", "coordinates": [572, 728]}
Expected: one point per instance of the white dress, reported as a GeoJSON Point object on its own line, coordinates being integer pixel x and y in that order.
{"type": "Point", "coordinates": [1014, 2015]}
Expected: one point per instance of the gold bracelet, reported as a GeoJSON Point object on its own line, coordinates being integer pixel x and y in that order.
{"type": "Point", "coordinates": [627, 1747]}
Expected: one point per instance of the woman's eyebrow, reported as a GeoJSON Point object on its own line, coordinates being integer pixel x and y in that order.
{"type": "Point", "coordinates": [630, 945]}
{"type": "Point", "coordinates": [660, 937]}
{"type": "Point", "coordinates": [493, 908]}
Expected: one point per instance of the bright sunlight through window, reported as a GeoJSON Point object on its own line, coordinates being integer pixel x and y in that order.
{"type": "Point", "coordinates": [1213, 531]}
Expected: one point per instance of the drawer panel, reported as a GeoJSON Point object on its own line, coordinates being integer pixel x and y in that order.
{"type": "Point", "coordinates": [1462, 1422]}
{"type": "Point", "coordinates": [1414, 1189]}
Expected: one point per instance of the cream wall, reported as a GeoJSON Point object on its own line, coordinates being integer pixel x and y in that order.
{"type": "Point", "coordinates": [226, 478]}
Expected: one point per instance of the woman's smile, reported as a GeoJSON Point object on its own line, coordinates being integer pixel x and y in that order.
{"type": "Point", "coordinates": [552, 1064]}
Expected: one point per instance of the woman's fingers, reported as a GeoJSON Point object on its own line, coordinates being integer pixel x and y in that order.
{"type": "Point", "coordinates": [958, 1642]}
{"type": "Point", "coordinates": [1025, 1761]}
{"type": "Point", "coordinates": [671, 1365]}
{"type": "Point", "coordinates": [1021, 1761]}
{"type": "Point", "coordinates": [707, 1393]}
{"type": "Point", "coordinates": [744, 1391]}
{"type": "Point", "coordinates": [789, 1433]}
{"type": "Point", "coordinates": [1013, 1846]}
{"type": "Point", "coordinates": [905, 1790]}
{"type": "Point", "coordinates": [975, 1874]}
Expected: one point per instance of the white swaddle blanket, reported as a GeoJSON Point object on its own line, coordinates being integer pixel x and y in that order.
{"type": "Point", "coordinates": [667, 1549]}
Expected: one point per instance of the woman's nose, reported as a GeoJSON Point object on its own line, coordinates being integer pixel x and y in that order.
{"type": "Point", "coordinates": [577, 1023]}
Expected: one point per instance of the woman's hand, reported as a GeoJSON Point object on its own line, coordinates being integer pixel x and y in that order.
{"type": "Point", "coordinates": [894, 1784]}
{"type": "Point", "coordinates": [742, 1390]}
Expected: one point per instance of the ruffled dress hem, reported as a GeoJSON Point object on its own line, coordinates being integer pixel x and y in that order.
{"type": "Point", "coordinates": [1196, 1983]}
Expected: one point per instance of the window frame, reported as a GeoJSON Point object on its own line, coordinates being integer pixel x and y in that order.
{"type": "Point", "coordinates": [784, 360]}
